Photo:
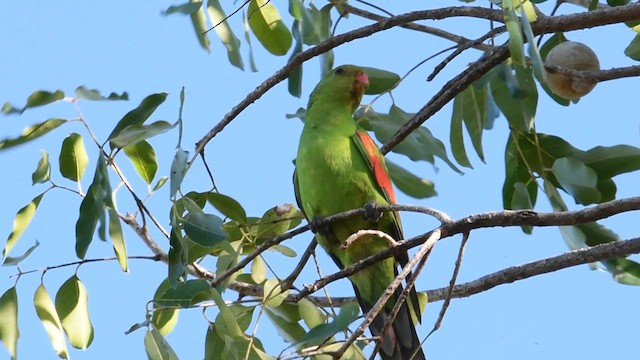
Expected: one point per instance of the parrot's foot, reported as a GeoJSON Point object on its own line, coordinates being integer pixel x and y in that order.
{"type": "Point", "coordinates": [372, 211]}
{"type": "Point", "coordinates": [317, 225]}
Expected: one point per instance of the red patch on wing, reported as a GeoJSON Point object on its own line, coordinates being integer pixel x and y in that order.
{"type": "Point", "coordinates": [375, 159]}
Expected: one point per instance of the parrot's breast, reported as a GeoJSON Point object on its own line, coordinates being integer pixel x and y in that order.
{"type": "Point", "coordinates": [332, 175]}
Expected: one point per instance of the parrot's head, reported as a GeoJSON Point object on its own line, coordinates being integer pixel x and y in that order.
{"type": "Point", "coordinates": [345, 84]}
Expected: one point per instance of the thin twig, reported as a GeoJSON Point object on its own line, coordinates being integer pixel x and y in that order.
{"type": "Point", "coordinates": [389, 292]}
{"type": "Point", "coordinates": [86, 261]}
{"type": "Point", "coordinates": [452, 284]}
{"type": "Point", "coordinates": [417, 27]}
{"type": "Point", "coordinates": [435, 236]}
{"type": "Point", "coordinates": [289, 280]}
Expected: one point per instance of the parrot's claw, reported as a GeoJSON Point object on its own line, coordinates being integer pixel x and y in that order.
{"type": "Point", "coordinates": [372, 211]}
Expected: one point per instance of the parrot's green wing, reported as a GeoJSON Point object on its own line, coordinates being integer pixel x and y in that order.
{"type": "Point", "coordinates": [374, 159]}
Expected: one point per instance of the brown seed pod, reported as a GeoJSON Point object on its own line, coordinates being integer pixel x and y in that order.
{"type": "Point", "coordinates": [575, 56]}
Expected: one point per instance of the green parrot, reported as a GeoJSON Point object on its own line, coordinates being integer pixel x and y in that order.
{"type": "Point", "coordinates": [340, 168]}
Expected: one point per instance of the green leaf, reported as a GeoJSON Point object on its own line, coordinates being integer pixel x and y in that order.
{"type": "Point", "coordinates": [163, 319]}
{"type": "Point", "coordinates": [204, 229]}
{"type": "Point", "coordinates": [258, 270]}
{"type": "Point", "coordinates": [475, 110]}
{"type": "Point", "coordinates": [324, 18]}
{"type": "Point", "coordinates": [284, 250]}
{"type": "Point", "coordinates": [529, 15]}
{"type": "Point", "coordinates": [199, 22]}
{"type": "Point", "coordinates": [186, 294]}
{"type": "Point", "coordinates": [137, 326]}
{"type": "Point", "coordinates": [294, 82]}
{"type": "Point", "coordinates": [310, 313]}
{"type": "Point", "coordinates": [42, 173]}
{"type": "Point", "coordinates": [178, 171]}
{"type": "Point", "coordinates": [225, 321]}
{"type": "Point", "coordinates": [32, 132]}
{"type": "Point", "coordinates": [455, 134]}
{"type": "Point", "coordinates": [188, 8]}
{"type": "Point", "coordinates": [633, 49]}
{"type": "Point", "coordinates": [73, 157]}
{"type": "Point", "coordinates": [540, 151]}
{"type": "Point", "coordinates": [247, 38]}
{"type": "Point", "coordinates": [221, 26]}
{"type": "Point", "coordinates": [277, 220]}
{"type": "Point", "coordinates": [140, 114]}
{"type": "Point", "coordinates": [592, 234]}
{"type": "Point", "coordinates": [409, 183]}
{"type": "Point", "coordinates": [268, 27]}
{"type": "Point", "coordinates": [72, 307]}
{"type": "Point", "coordinates": [157, 347]}
{"type": "Point", "coordinates": [37, 98]}
{"type": "Point", "coordinates": [624, 271]}
{"type": "Point", "coordinates": [243, 315]}
{"type": "Point", "coordinates": [290, 331]}
{"type": "Point", "coordinates": [10, 260]}
{"type": "Point", "coordinates": [514, 91]}
{"type": "Point", "coordinates": [522, 200]}
{"type": "Point", "coordinates": [92, 208]}
{"type": "Point", "coordinates": [20, 223]}
{"type": "Point", "coordinates": [516, 172]}
{"type": "Point", "coordinates": [609, 161]}
{"type": "Point", "coordinates": [578, 180]}
{"type": "Point", "coordinates": [144, 160]}
{"type": "Point", "coordinates": [380, 81]}
{"type": "Point", "coordinates": [49, 317]}
{"type": "Point", "coordinates": [273, 295]}
{"type": "Point", "coordinates": [160, 183]}
{"type": "Point", "coordinates": [516, 42]}
{"type": "Point", "coordinates": [133, 134]}
{"type": "Point", "coordinates": [219, 345]}
{"type": "Point", "coordinates": [94, 94]}
{"type": "Point", "coordinates": [9, 332]}
{"type": "Point", "coordinates": [177, 256]}
{"type": "Point", "coordinates": [319, 334]}
{"type": "Point", "coordinates": [228, 206]}
{"type": "Point", "coordinates": [419, 145]}
{"type": "Point", "coordinates": [117, 239]}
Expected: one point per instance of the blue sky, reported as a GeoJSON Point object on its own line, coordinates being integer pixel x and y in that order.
{"type": "Point", "coordinates": [576, 313]}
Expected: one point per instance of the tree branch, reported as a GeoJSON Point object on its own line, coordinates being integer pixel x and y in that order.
{"type": "Point", "coordinates": [421, 28]}
{"type": "Point", "coordinates": [512, 274]}
{"type": "Point", "coordinates": [504, 218]}
{"type": "Point", "coordinates": [598, 75]}
{"type": "Point", "coordinates": [516, 273]}
{"type": "Point", "coordinates": [333, 42]}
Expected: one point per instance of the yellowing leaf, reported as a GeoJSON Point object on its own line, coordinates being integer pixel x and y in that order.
{"type": "Point", "coordinates": [72, 307]}
{"type": "Point", "coordinates": [49, 317]}
{"type": "Point", "coordinates": [268, 27]}
{"type": "Point", "coordinates": [9, 332]}
{"type": "Point", "coordinates": [20, 223]}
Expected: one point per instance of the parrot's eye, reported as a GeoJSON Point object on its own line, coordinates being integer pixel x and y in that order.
{"type": "Point", "coordinates": [339, 71]}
